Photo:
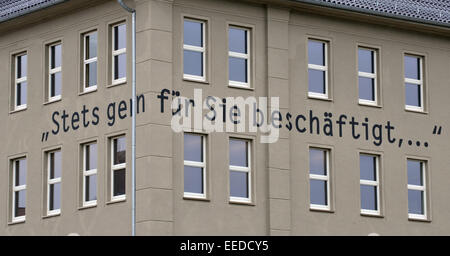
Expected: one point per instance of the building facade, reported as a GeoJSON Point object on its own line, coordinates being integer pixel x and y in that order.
{"type": "Point", "coordinates": [362, 117]}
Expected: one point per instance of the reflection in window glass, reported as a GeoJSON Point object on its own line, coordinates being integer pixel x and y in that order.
{"type": "Point", "coordinates": [416, 189]}
{"type": "Point", "coordinates": [319, 178]}
{"type": "Point", "coordinates": [90, 174]}
{"type": "Point", "coordinates": [367, 76]}
{"type": "Point", "coordinates": [240, 171]}
{"type": "Point", "coordinates": [194, 49]}
{"type": "Point", "coordinates": [20, 82]}
{"type": "Point", "coordinates": [369, 188]}
{"type": "Point", "coordinates": [54, 166]}
{"type": "Point", "coordinates": [317, 68]}
{"type": "Point", "coordinates": [239, 56]}
{"type": "Point", "coordinates": [194, 165]}
{"type": "Point", "coordinates": [119, 55]}
{"type": "Point", "coordinates": [55, 71]}
{"type": "Point", "coordinates": [118, 168]}
{"type": "Point", "coordinates": [90, 61]}
{"type": "Point", "coordinates": [19, 187]}
{"type": "Point", "coordinates": [413, 82]}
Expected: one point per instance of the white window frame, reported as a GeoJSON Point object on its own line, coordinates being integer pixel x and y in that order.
{"type": "Point", "coordinates": [374, 183]}
{"type": "Point", "coordinates": [16, 189]}
{"type": "Point", "coordinates": [415, 82]}
{"type": "Point", "coordinates": [422, 188]}
{"type": "Point", "coordinates": [115, 167]}
{"type": "Point", "coordinates": [247, 170]}
{"type": "Point", "coordinates": [325, 178]}
{"type": "Point", "coordinates": [202, 50]}
{"type": "Point", "coordinates": [373, 76]}
{"type": "Point", "coordinates": [89, 61]}
{"type": "Point", "coordinates": [118, 52]}
{"type": "Point", "coordinates": [320, 68]}
{"type": "Point", "coordinates": [53, 181]}
{"type": "Point", "coordinates": [53, 71]}
{"type": "Point", "coordinates": [20, 80]}
{"type": "Point", "coordinates": [198, 165]}
{"type": "Point", "coordinates": [88, 173]}
{"type": "Point", "coordinates": [245, 56]}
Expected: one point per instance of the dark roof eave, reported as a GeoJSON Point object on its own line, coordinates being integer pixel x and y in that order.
{"type": "Point", "coordinates": [370, 12]}
{"type": "Point", "coordinates": [31, 10]}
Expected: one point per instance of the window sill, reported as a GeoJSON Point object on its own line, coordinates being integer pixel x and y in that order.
{"type": "Point", "coordinates": [11, 223]}
{"type": "Point", "coordinates": [18, 110]}
{"type": "Point", "coordinates": [317, 209]}
{"type": "Point", "coordinates": [195, 80]}
{"type": "Point", "coordinates": [51, 215]}
{"type": "Point", "coordinates": [116, 84]}
{"type": "Point", "coordinates": [419, 219]}
{"type": "Point", "coordinates": [52, 101]}
{"type": "Point", "coordinates": [87, 91]}
{"type": "Point", "coordinates": [416, 111]}
{"type": "Point", "coordinates": [87, 207]}
{"type": "Point", "coordinates": [373, 105]}
{"type": "Point", "coordinates": [375, 215]}
{"type": "Point", "coordinates": [116, 201]}
{"type": "Point", "coordinates": [316, 97]}
{"type": "Point", "coordinates": [235, 202]}
{"type": "Point", "coordinates": [241, 87]}
{"type": "Point", "coordinates": [191, 198]}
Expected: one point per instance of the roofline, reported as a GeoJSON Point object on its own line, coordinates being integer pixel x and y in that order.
{"type": "Point", "coordinates": [31, 10]}
{"type": "Point", "coordinates": [370, 12]}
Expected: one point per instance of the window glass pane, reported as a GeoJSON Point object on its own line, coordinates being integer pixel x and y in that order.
{"type": "Point", "coordinates": [22, 66]}
{"type": "Point", "coordinates": [415, 174]}
{"type": "Point", "coordinates": [367, 165]}
{"type": "Point", "coordinates": [91, 156]}
{"type": "Point", "coordinates": [369, 197]}
{"type": "Point", "coordinates": [91, 74]}
{"type": "Point", "coordinates": [120, 66]}
{"type": "Point", "coordinates": [238, 184]}
{"type": "Point", "coordinates": [316, 81]}
{"type": "Point", "coordinates": [55, 56]}
{"type": "Point", "coordinates": [21, 172]}
{"type": "Point", "coordinates": [193, 179]}
{"type": "Point", "coordinates": [365, 61]}
{"type": "Point", "coordinates": [238, 69]}
{"type": "Point", "coordinates": [20, 203]}
{"type": "Point", "coordinates": [238, 153]}
{"type": "Point", "coordinates": [119, 182]}
{"type": "Point", "coordinates": [238, 40]}
{"type": "Point", "coordinates": [316, 53]}
{"type": "Point", "coordinates": [193, 148]}
{"type": "Point", "coordinates": [119, 150]}
{"type": "Point", "coordinates": [55, 164]}
{"type": "Point", "coordinates": [415, 202]}
{"type": "Point", "coordinates": [91, 46]}
{"type": "Point", "coordinates": [55, 196]}
{"type": "Point", "coordinates": [22, 93]}
{"type": "Point", "coordinates": [317, 162]}
{"type": "Point", "coordinates": [91, 188]}
{"type": "Point", "coordinates": [366, 88]}
{"type": "Point", "coordinates": [120, 39]}
{"type": "Point", "coordinates": [413, 97]}
{"type": "Point", "coordinates": [55, 82]}
{"type": "Point", "coordinates": [412, 67]}
{"type": "Point", "coordinates": [318, 192]}
{"type": "Point", "coordinates": [193, 33]}
{"type": "Point", "coordinates": [193, 63]}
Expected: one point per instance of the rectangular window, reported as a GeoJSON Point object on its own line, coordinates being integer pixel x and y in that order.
{"type": "Point", "coordinates": [317, 69]}
{"type": "Point", "coordinates": [118, 168]}
{"type": "Point", "coordinates": [319, 178]}
{"type": "Point", "coordinates": [19, 188]}
{"type": "Point", "coordinates": [194, 166]}
{"type": "Point", "coordinates": [194, 50]}
{"type": "Point", "coordinates": [54, 71]}
{"type": "Point", "coordinates": [369, 184]}
{"type": "Point", "coordinates": [54, 173]}
{"type": "Point", "coordinates": [414, 83]}
{"type": "Point", "coordinates": [240, 170]}
{"type": "Point", "coordinates": [417, 198]}
{"type": "Point", "coordinates": [119, 53]}
{"type": "Point", "coordinates": [239, 56]}
{"type": "Point", "coordinates": [90, 174]}
{"type": "Point", "coordinates": [367, 76]}
{"type": "Point", "coordinates": [90, 61]}
{"type": "Point", "coordinates": [20, 81]}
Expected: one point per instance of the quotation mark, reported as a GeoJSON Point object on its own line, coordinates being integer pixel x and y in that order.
{"type": "Point", "coordinates": [44, 136]}
{"type": "Point", "coordinates": [436, 130]}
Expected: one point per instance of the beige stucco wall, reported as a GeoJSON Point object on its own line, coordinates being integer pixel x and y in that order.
{"type": "Point", "coordinates": [280, 170]}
